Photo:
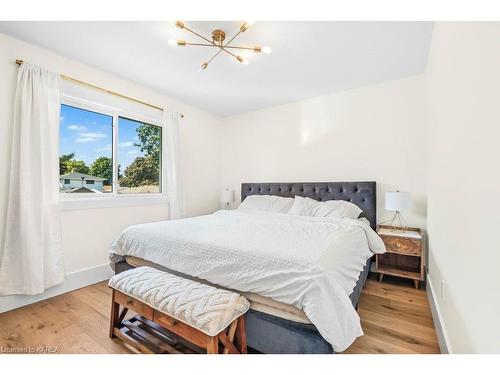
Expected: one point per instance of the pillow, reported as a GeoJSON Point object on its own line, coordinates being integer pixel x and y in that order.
{"type": "Point", "coordinates": [301, 204]}
{"type": "Point", "coordinates": [334, 208]}
{"type": "Point", "coordinates": [269, 203]}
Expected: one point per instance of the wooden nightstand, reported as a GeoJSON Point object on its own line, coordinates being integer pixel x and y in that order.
{"type": "Point", "coordinates": [404, 256]}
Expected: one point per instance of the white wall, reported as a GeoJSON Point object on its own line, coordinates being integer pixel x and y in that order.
{"type": "Point", "coordinates": [372, 133]}
{"type": "Point", "coordinates": [88, 233]}
{"type": "Point", "coordinates": [463, 77]}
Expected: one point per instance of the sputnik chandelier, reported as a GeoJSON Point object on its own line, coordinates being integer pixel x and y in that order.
{"type": "Point", "coordinates": [218, 41]}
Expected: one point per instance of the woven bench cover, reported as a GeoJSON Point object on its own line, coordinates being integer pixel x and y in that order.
{"type": "Point", "coordinates": [201, 306]}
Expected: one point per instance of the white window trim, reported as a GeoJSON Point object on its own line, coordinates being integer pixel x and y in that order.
{"type": "Point", "coordinates": [83, 201]}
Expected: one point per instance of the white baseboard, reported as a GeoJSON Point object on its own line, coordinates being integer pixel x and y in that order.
{"type": "Point", "coordinates": [74, 280]}
{"type": "Point", "coordinates": [444, 341]}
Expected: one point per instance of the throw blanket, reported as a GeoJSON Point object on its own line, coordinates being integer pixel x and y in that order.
{"type": "Point", "coordinates": [309, 262]}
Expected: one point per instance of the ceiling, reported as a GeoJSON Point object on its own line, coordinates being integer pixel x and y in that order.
{"type": "Point", "coordinates": [308, 59]}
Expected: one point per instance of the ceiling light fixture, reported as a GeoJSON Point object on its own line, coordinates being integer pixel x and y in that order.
{"type": "Point", "coordinates": [217, 41]}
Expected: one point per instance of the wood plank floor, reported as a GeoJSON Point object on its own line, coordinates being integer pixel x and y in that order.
{"type": "Point", "coordinates": [396, 318]}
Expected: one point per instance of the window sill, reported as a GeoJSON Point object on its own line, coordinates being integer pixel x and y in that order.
{"type": "Point", "coordinates": [87, 203]}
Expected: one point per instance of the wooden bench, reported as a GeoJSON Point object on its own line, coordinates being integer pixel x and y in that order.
{"type": "Point", "coordinates": [171, 308]}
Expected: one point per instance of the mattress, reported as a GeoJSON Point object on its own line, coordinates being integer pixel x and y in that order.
{"type": "Point", "coordinates": [259, 303]}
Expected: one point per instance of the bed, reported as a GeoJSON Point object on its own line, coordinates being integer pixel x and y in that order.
{"type": "Point", "coordinates": [273, 325]}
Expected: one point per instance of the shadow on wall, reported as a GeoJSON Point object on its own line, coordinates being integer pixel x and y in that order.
{"type": "Point", "coordinates": [448, 307]}
{"type": "Point", "coordinates": [316, 120]}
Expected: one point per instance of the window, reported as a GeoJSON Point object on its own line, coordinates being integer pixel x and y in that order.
{"type": "Point", "coordinates": [139, 156]}
{"type": "Point", "coordinates": [111, 151]}
{"type": "Point", "coordinates": [85, 150]}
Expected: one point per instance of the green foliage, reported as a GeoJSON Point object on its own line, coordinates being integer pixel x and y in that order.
{"type": "Point", "coordinates": [149, 140]}
{"type": "Point", "coordinates": [142, 171]}
{"type": "Point", "coordinates": [67, 164]}
{"type": "Point", "coordinates": [102, 167]}
{"type": "Point", "coordinates": [63, 159]}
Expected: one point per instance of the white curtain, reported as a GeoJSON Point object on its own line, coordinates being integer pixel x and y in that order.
{"type": "Point", "coordinates": [174, 185]}
{"type": "Point", "coordinates": [32, 259]}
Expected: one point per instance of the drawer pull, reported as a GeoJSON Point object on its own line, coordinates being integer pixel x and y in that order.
{"type": "Point", "coordinates": [169, 322]}
{"type": "Point", "coordinates": [398, 245]}
{"type": "Point", "coordinates": [130, 302]}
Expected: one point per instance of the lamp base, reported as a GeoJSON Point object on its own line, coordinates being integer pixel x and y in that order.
{"type": "Point", "coordinates": [398, 223]}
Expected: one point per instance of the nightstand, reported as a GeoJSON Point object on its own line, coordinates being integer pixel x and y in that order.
{"type": "Point", "coordinates": [404, 256]}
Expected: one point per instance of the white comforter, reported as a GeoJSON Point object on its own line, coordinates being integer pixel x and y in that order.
{"type": "Point", "coordinates": [311, 263]}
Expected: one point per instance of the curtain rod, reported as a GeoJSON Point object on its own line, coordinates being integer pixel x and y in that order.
{"type": "Point", "coordinates": [74, 80]}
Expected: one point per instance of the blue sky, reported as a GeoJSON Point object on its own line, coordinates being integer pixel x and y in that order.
{"type": "Point", "coordinates": [89, 135]}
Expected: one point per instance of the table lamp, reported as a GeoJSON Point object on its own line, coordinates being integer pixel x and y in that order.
{"type": "Point", "coordinates": [398, 201]}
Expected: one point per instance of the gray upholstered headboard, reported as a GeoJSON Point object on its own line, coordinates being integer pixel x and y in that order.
{"type": "Point", "coordinates": [363, 194]}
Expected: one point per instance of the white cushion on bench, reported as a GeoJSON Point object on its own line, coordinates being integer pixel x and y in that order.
{"type": "Point", "coordinates": [200, 306]}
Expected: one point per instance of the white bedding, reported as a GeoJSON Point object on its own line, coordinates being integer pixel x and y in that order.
{"type": "Point", "coordinates": [312, 263]}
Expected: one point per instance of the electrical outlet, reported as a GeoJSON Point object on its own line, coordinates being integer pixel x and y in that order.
{"type": "Point", "coordinates": [442, 289]}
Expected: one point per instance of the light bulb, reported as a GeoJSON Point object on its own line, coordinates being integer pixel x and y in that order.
{"type": "Point", "coordinates": [242, 60]}
{"type": "Point", "coordinates": [266, 49]}
{"type": "Point", "coordinates": [246, 25]}
{"type": "Point", "coordinates": [172, 42]}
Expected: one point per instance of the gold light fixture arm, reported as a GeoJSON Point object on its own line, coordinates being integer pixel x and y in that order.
{"type": "Point", "coordinates": [254, 49]}
{"type": "Point", "coordinates": [200, 36]}
{"type": "Point", "coordinates": [233, 38]}
{"type": "Point", "coordinates": [205, 64]}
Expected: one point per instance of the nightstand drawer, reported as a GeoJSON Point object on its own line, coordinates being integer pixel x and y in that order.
{"type": "Point", "coordinates": [403, 245]}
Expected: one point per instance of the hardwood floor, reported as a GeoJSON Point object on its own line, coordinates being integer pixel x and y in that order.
{"type": "Point", "coordinates": [396, 318]}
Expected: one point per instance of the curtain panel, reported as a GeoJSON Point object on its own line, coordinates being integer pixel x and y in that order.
{"type": "Point", "coordinates": [32, 257]}
{"type": "Point", "coordinates": [174, 181]}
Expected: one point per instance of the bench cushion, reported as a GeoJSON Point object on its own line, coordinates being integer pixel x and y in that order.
{"type": "Point", "coordinates": [201, 306]}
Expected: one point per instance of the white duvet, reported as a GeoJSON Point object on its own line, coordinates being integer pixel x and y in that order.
{"type": "Point", "coordinates": [310, 262]}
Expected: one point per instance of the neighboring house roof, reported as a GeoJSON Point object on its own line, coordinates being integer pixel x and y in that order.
{"type": "Point", "coordinates": [140, 189]}
{"type": "Point", "coordinates": [80, 190]}
{"type": "Point", "coordinates": [78, 176]}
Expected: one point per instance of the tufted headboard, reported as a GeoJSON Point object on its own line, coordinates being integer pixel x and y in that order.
{"type": "Point", "coordinates": [363, 194]}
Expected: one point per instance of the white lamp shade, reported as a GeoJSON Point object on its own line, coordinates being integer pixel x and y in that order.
{"type": "Point", "coordinates": [397, 201]}
{"type": "Point", "coordinates": [226, 196]}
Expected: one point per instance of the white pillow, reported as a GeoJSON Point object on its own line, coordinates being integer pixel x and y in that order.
{"type": "Point", "coordinates": [269, 203]}
{"type": "Point", "coordinates": [301, 204]}
{"type": "Point", "coordinates": [334, 208]}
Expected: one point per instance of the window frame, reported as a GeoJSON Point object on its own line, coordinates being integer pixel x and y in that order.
{"type": "Point", "coordinates": [92, 200]}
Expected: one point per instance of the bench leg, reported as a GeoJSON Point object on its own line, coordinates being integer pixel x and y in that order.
{"type": "Point", "coordinates": [121, 317]}
{"type": "Point", "coordinates": [231, 331]}
{"type": "Point", "coordinates": [113, 321]}
{"type": "Point", "coordinates": [213, 345]}
{"type": "Point", "coordinates": [241, 336]}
